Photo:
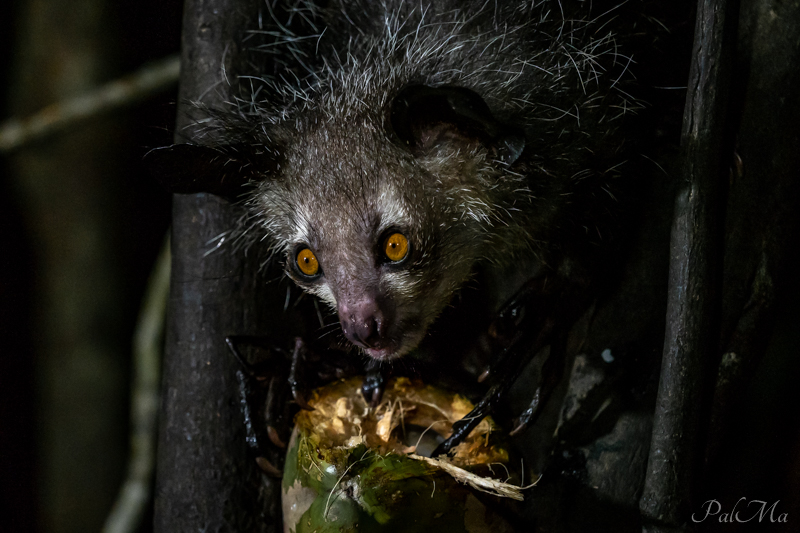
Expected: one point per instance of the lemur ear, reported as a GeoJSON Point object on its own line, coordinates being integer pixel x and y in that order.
{"type": "Point", "coordinates": [223, 170]}
{"type": "Point", "coordinates": [423, 117]}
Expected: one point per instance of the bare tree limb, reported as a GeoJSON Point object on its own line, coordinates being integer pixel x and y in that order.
{"type": "Point", "coordinates": [150, 79]}
{"type": "Point", "coordinates": [148, 339]}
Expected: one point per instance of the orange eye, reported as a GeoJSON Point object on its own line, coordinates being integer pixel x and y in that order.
{"type": "Point", "coordinates": [307, 262]}
{"type": "Point", "coordinates": [396, 247]}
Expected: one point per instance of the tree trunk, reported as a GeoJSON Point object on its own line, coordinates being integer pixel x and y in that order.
{"type": "Point", "coordinates": [205, 480]}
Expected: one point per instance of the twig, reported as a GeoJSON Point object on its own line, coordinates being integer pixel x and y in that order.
{"type": "Point", "coordinates": [127, 90]}
{"type": "Point", "coordinates": [126, 515]}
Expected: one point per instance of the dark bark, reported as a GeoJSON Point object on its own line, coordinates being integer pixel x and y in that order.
{"type": "Point", "coordinates": [762, 217]}
{"type": "Point", "coordinates": [205, 479]}
{"type": "Point", "coordinates": [690, 348]}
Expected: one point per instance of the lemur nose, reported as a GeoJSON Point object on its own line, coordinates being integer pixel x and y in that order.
{"type": "Point", "coordinates": [363, 323]}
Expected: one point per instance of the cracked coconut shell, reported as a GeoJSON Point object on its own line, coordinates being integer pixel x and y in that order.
{"type": "Point", "coordinates": [350, 468]}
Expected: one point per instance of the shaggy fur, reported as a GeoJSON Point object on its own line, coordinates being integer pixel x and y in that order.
{"type": "Point", "coordinates": [337, 178]}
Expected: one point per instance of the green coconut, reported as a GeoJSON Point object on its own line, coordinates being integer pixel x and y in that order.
{"type": "Point", "coordinates": [351, 468]}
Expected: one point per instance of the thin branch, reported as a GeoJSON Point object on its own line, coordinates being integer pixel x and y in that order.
{"type": "Point", "coordinates": [149, 80]}
{"type": "Point", "coordinates": [128, 510]}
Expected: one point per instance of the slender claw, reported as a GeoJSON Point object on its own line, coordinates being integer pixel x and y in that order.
{"type": "Point", "coordinates": [296, 377]}
{"type": "Point", "coordinates": [268, 468]}
{"type": "Point", "coordinates": [518, 428]}
{"type": "Point", "coordinates": [272, 433]}
{"type": "Point", "coordinates": [463, 427]}
{"type": "Point", "coordinates": [229, 341]}
{"type": "Point", "coordinates": [484, 375]}
{"type": "Point", "coordinates": [552, 370]}
{"type": "Point", "coordinates": [377, 394]}
{"type": "Point", "coordinates": [508, 366]}
{"type": "Point", "coordinates": [374, 383]}
{"type": "Point", "coordinates": [300, 400]}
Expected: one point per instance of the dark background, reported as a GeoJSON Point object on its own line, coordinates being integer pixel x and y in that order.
{"type": "Point", "coordinates": [127, 226]}
{"type": "Point", "coordinates": [763, 459]}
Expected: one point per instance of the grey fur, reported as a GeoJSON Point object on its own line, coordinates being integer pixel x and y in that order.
{"type": "Point", "coordinates": [341, 178]}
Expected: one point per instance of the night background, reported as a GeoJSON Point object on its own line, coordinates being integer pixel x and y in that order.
{"type": "Point", "coordinates": [82, 224]}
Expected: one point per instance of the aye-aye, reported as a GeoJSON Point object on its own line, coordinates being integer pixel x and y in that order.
{"type": "Point", "coordinates": [399, 147]}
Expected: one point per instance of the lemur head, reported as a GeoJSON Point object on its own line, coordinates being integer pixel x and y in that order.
{"type": "Point", "coordinates": [381, 214]}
